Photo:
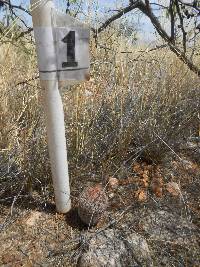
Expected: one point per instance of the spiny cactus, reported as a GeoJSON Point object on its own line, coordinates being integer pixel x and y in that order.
{"type": "Point", "coordinates": [93, 201]}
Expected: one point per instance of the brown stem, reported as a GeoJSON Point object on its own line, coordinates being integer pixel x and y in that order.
{"type": "Point", "coordinates": [181, 55]}
{"type": "Point", "coordinates": [123, 11]}
{"type": "Point", "coordinates": [171, 12]}
{"type": "Point", "coordinates": [184, 33]}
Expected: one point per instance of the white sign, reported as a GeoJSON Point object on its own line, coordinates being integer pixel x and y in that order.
{"type": "Point", "coordinates": [66, 58]}
{"type": "Point", "coordinates": [72, 51]}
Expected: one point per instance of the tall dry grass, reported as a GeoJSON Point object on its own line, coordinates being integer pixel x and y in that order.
{"type": "Point", "coordinates": [133, 102]}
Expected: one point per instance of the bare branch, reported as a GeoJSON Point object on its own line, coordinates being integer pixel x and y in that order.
{"type": "Point", "coordinates": [159, 5]}
{"type": "Point", "coordinates": [149, 13]}
{"type": "Point", "coordinates": [171, 12]}
{"type": "Point", "coordinates": [194, 5]}
{"type": "Point", "coordinates": [130, 7]}
{"type": "Point", "coordinates": [181, 55]}
{"type": "Point", "coordinates": [181, 26]}
{"type": "Point", "coordinates": [147, 3]}
{"type": "Point", "coordinates": [147, 10]}
{"type": "Point", "coordinates": [27, 81]}
{"type": "Point", "coordinates": [11, 6]}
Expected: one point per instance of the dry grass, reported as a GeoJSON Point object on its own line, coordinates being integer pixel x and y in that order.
{"type": "Point", "coordinates": [131, 99]}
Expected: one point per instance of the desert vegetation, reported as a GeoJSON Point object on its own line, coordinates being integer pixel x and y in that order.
{"type": "Point", "coordinates": [137, 120]}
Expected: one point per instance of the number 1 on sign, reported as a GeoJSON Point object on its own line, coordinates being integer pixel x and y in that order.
{"type": "Point", "coordinates": [69, 39]}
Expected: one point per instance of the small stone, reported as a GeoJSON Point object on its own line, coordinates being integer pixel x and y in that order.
{"type": "Point", "coordinates": [113, 182]}
{"type": "Point", "coordinates": [173, 188]}
{"type": "Point", "coordinates": [111, 195]}
{"type": "Point", "coordinates": [34, 217]}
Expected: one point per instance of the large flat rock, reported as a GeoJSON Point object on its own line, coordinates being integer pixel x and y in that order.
{"type": "Point", "coordinates": [114, 248]}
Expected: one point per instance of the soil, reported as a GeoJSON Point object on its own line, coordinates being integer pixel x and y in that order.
{"type": "Point", "coordinates": [160, 202]}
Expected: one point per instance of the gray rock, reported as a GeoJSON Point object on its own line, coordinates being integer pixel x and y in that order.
{"type": "Point", "coordinates": [170, 240]}
{"type": "Point", "coordinates": [165, 226]}
{"type": "Point", "coordinates": [173, 239]}
{"type": "Point", "coordinates": [114, 248]}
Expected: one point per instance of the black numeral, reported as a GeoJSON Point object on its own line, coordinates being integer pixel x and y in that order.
{"type": "Point", "coordinates": [69, 39]}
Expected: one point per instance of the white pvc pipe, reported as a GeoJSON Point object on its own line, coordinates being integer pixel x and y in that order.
{"type": "Point", "coordinates": [42, 20]}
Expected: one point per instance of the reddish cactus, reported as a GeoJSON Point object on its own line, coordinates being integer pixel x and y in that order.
{"type": "Point", "coordinates": [93, 202]}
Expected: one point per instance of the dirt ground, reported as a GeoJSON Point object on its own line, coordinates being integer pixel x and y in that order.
{"type": "Point", "coordinates": [33, 234]}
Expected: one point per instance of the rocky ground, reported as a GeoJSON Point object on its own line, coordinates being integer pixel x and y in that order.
{"type": "Point", "coordinates": [153, 219]}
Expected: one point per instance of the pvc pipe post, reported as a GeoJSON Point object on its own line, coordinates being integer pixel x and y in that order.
{"type": "Point", "coordinates": [42, 24]}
